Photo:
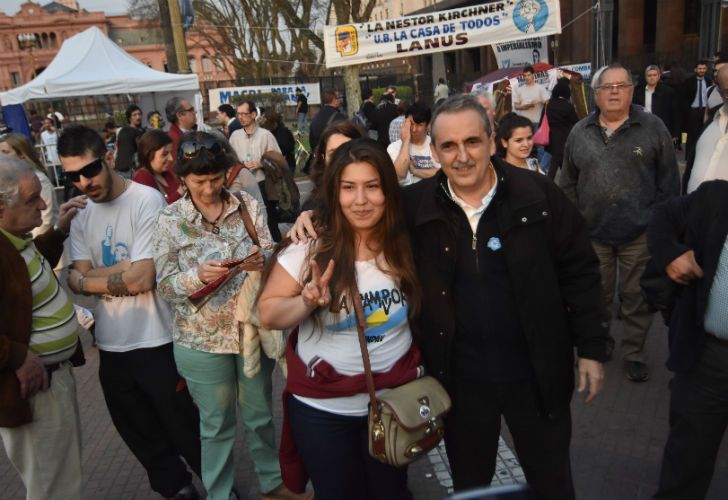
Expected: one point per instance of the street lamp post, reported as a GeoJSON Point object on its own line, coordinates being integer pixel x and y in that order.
{"type": "Point", "coordinates": [29, 41]}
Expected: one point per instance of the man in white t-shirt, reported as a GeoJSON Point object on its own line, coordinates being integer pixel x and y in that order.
{"type": "Point", "coordinates": [250, 143]}
{"type": "Point", "coordinates": [411, 155]}
{"type": "Point", "coordinates": [529, 99]}
{"type": "Point", "coordinates": [112, 260]}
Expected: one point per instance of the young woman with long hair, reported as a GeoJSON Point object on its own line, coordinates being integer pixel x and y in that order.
{"type": "Point", "coordinates": [363, 248]}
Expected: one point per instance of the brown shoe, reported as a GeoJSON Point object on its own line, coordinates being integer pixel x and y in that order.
{"type": "Point", "coordinates": [283, 493]}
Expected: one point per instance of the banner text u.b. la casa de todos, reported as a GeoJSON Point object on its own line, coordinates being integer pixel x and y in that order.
{"type": "Point", "coordinates": [484, 24]}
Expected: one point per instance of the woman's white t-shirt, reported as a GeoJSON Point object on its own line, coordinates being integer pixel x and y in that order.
{"type": "Point", "coordinates": [388, 333]}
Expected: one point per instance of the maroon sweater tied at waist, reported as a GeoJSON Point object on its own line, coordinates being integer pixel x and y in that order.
{"type": "Point", "coordinates": [321, 380]}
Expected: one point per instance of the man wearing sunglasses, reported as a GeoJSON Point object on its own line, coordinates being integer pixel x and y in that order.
{"type": "Point", "coordinates": [182, 117]}
{"type": "Point", "coordinates": [619, 162]}
{"type": "Point", "coordinates": [111, 249]}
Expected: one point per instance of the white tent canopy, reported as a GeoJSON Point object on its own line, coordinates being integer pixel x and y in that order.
{"type": "Point", "coordinates": [90, 64]}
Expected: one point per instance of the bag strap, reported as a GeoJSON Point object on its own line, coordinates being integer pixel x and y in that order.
{"type": "Point", "coordinates": [360, 325]}
{"type": "Point", "coordinates": [247, 220]}
{"type": "Point", "coordinates": [234, 172]}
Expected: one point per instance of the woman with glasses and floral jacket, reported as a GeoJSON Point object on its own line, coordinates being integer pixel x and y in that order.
{"type": "Point", "coordinates": [198, 240]}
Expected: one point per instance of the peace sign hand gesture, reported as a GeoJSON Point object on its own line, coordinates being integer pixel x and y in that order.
{"type": "Point", "coordinates": [316, 292]}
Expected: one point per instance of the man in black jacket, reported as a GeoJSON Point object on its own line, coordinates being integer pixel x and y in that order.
{"type": "Point", "coordinates": [687, 238]}
{"type": "Point", "coordinates": [510, 286]}
{"type": "Point", "coordinates": [659, 99]}
{"type": "Point", "coordinates": [126, 142]}
{"type": "Point", "coordinates": [328, 113]}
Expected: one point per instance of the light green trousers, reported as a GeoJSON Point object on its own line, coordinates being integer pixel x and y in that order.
{"type": "Point", "coordinates": [218, 386]}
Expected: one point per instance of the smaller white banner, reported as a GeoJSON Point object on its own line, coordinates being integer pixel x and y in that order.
{"type": "Point", "coordinates": [224, 95]}
{"type": "Point", "coordinates": [521, 52]}
{"type": "Point", "coordinates": [584, 69]}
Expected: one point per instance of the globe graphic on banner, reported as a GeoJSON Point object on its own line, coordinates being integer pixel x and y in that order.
{"type": "Point", "coordinates": [530, 16]}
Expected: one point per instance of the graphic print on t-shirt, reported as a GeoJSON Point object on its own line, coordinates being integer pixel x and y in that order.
{"type": "Point", "coordinates": [384, 311]}
{"type": "Point", "coordinates": [422, 161]}
{"type": "Point", "coordinates": [113, 252]}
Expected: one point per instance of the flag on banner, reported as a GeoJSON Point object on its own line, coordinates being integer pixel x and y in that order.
{"type": "Point", "coordinates": [491, 22]}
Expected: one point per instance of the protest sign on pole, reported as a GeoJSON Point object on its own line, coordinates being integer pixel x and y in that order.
{"type": "Point", "coordinates": [494, 21]}
{"type": "Point", "coordinates": [521, 52]}
{"type": "Point", "coordinates": [225, 95]}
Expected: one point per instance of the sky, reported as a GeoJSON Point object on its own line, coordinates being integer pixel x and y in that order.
{"type": "Point", "coordinates": [11, 7]}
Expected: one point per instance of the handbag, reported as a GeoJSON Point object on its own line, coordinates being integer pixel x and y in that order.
{"type": "Point", "coordinates": [541, 137]}
{"type": "Point", "coordinates": [406, 422]}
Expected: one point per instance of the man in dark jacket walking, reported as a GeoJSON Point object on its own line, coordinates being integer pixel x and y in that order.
{"type": "Point", "coordinates": [510, 286]}
{"type": "Point", "coordinates": [659, 99]}
{"type": "Point", "coordinates": [618, 163]}
{"type": "Point", "coordinates": [687, 238]}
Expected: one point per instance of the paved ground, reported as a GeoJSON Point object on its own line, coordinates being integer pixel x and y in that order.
{"type": "Point", "coordinates": [617, 444]}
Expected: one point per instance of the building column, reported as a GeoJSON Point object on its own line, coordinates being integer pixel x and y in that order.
{"type": "Point", "coordinates": [601, 39]}
{"type": "Point", "coordinates": [669, 39]}
{"type": "Point", "coordinates": [710, 11]}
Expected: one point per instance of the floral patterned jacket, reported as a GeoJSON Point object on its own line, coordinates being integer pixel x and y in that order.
{"type": "Point", "coordinates": [181, 243]}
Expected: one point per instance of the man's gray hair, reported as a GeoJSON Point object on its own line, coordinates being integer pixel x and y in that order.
{"type": "Point", "coordinates": [597, 78]}
{"type": "Point", "coordinates": [12, 169]}
{"type": "Point", "coordinates": [457, 104]}
{"type": "Point", "coordinates": [483, 92]}
{"type": "Point", "coordinates": [174, 106]}
{"type": "Point", "coordinates": [652, 67]}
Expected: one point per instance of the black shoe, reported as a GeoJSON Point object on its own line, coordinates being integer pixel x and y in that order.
{"type": "Point", "coordinates": [189, 492]}
{"type": "Point", "coordinates": [637, 371]}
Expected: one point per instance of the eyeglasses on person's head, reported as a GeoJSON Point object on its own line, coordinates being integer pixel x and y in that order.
{"type": "Point", "coordinates": [89, 171]}
{"type": "Point", "coordinates": [191, 149]}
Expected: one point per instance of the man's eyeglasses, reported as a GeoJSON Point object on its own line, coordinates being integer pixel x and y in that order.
{"type": "Point", "coordinates": [191, 149]}
{"type": "Point", "coordinates": [614, 86]}
{"type": "Point", "coordinates": [188, 110]}
{"type": "Point", "coordinates": [89, 171]}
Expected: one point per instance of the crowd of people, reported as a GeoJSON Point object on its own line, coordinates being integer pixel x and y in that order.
{"type": "Point", "coordinates": [443, 222]}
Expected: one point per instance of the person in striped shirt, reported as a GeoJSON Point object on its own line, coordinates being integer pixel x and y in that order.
{"type": "Point", "coordinates": [39, 420]}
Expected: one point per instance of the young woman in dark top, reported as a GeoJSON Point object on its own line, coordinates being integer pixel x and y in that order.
{"type": "Point", "coordinates": [562, 117]}
{"type": "Point", "coordinates": [514, 142]}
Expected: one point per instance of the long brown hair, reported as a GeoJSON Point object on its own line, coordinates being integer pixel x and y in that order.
{"type": "Point", "coordinates": [337, 239]}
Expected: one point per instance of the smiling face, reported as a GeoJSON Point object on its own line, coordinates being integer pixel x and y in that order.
{"type": "Point", "coordinates": [462, 148]}
{"type": "Point", "coordinates": [161, 159]}
{"type": "Point", "coordinates": [615, 92]}
{"type": "Point", "coordinates": [519, 146]}
{"type": "Point", "coordinates": [205, 189]}
{"type": "Point", "coordinates": [25, 214]}
{"type": "Point", "coordinates": [361, 197]}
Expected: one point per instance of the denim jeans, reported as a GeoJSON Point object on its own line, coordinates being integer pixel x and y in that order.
{"type": "Point", "coordinates": [334, 450]}
{"type": "Point", "coordinates": [301, 124]}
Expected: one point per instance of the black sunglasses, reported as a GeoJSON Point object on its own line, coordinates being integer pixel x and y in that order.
{"type": "Point", "coordinates": [191, 149]}
{"type": "Point", "coordinates": [89, 171]}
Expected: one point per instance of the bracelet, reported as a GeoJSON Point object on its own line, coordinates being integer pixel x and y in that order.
{"type": "Point", "coordinates": [81, 282]}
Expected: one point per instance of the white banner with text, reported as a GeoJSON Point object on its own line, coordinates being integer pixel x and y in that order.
{"type": "Point", "coordinates": [521, 52]}
{"type": "Point", "coordinates": [225, 95]}
{"type": "Point", "coordinates": [495, 21]}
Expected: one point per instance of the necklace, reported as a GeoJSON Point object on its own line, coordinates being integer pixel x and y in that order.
{"type": "Point", "coordinates": [215, 228]}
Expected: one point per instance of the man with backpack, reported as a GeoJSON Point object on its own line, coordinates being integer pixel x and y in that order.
{"type": "Point", "coordinates": [366, 117]}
